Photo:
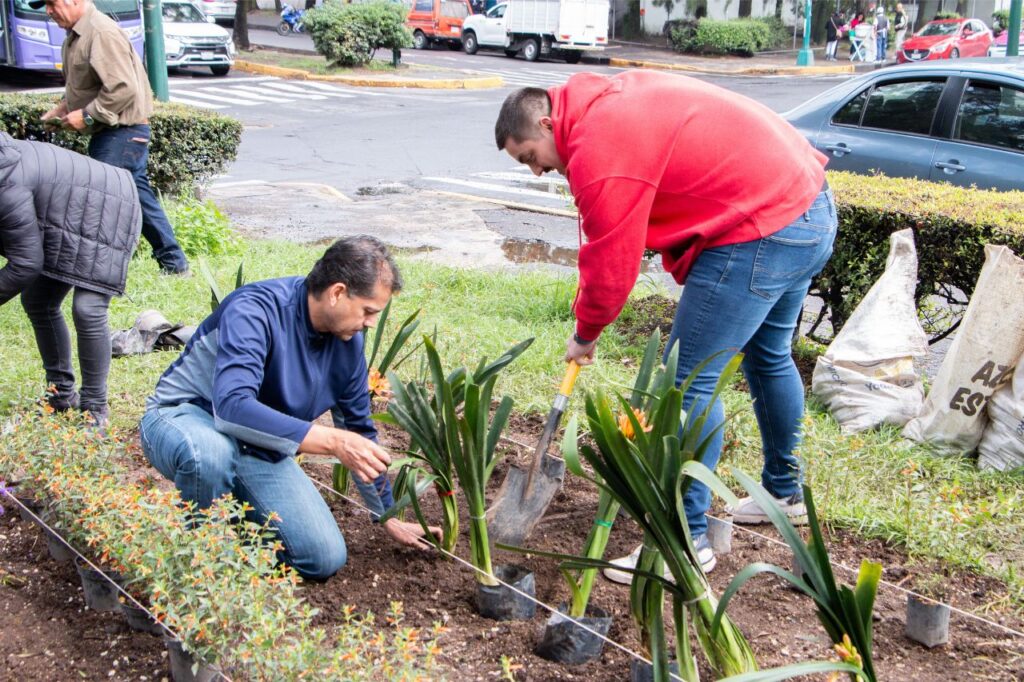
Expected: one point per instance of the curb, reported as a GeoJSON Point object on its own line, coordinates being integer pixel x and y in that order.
{"type": "Point", "coordinates": [472, 83]}
{"type": "Point", "coordinates": [747, 71]}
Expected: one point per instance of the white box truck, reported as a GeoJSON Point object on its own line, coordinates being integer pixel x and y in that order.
{"type": "Point", "coordinates": [563, 28]}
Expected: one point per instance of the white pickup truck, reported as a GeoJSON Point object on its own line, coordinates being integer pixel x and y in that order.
{"type": "Point", "coordinates": [565, 28]}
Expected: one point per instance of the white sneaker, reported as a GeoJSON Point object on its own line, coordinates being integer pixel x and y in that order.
{"type": "Point", "coordinates": [704, 553]}
{"type": "Point", "coordinates": [749, 512]}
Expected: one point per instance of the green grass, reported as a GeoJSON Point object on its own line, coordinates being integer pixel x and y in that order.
{"type": "Point", "coordinates": [874, 483]}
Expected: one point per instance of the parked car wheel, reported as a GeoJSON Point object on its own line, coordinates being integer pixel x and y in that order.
{"type": "Point", "coordinates": [220, 70]}
{"type": "Point", "coordinates": [511, 53]}
{"type": "Point", "coordinates": [531, 50]}
{"type": "Point", "coordinates": [420, 41]}
{"type": "Point", "coordinates": [469, 44]}
{"type": "Point", "coordinates": [954, 53]}
{"type": "Point", "coordinates": [283, 29]}
{"type": "Point", "coordinates": [573, 57]}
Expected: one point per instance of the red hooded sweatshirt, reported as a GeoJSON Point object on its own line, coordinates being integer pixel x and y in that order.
{"type": "Point", "coordinates": [671, 163]}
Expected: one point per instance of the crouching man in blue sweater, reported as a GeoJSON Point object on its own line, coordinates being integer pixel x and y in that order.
{"type": "Point", "coordinates": [240, 401]}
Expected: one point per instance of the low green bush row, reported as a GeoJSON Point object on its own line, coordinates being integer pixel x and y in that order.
{"type": "Point", "coordinates": [951, 227]}
{"type": "Point", "coordinates": [743, 37]}
{"type": "Point", "coordinates": [189, 146]}
{"type": "Point", "coordinates": [215, 583]}
{"type": "Point", "coordinates": [348, 34]}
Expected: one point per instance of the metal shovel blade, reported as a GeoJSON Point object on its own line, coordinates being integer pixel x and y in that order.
{"type": "Point", "coordinates": [515, 514]}
{"type": "Point", "coordinates": [525, 494]}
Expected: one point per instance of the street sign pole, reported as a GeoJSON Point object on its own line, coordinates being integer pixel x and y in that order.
{"type": "Point", "coordinates": [1013, 40]}
{"type": "Point", "coordinates": [806, 56]}
{"type": "Point", "coordinates": [156, 58]}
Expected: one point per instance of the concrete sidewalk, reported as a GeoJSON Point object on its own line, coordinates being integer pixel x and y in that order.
{"type": "Point", "coordinates": [619, 53]}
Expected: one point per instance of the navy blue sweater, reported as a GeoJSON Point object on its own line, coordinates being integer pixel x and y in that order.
{"type": "Point", "coordinates": [258, 366]}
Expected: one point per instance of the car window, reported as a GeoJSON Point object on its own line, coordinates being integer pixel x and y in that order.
{"type": "Point", "coordinates": [905, 106]}
{"type": "Point", "coordinates": [424, 6]}
{"type": "Point", "coordinates": [944, 29]}
{"type": "Point", "coordinates": [499, 11]}
{"type": "Point", "coordinates": [456, 9]}
{"type": "Point", "coordinates": [183, 13]}
{"type": "Point", "coordinates": [851, 111]}
{"type": "Point", "coordinates": [991, 114]}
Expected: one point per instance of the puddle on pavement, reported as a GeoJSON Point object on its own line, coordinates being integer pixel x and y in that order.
{"type": "Point", "coordinates": [535, 251]}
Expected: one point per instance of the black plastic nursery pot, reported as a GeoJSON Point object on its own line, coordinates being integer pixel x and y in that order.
{"type": "Point", "coordinates": [720, 534]}
{"type": "Point", "coordinates": [138, 619]}
{"type": "Point", "coordinates": [183, 664]}
{"type": "Point", "coordinates": [927, 621]}
{"type": "Point", "coordinates": [29, 502]}
{"type": "Point", "coordinates": [565, 641]}
{"type": "Point", "coordinates": [500, 603]}
{"type": "Point", "coordinates": [59, 551]}
{"type": "Point", "coordinates": [100, 594]}
{"type": "Point", "coordinates": [644, 672]}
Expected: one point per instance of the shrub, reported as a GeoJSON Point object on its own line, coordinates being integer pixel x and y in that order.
{"type": "Point", "coordinates": [217, 584]}
{"type": "Point", "coordinates": [737, 36]}
{"type": "Point", "coordinates": [947, 15]}
{"type": "Point", "coordinates": [1000, 20]}
{"type": "Point", "coordinates": [201, 228]}
{"type": "Point", "coordinates": [348, 35]}
{"type": "Point", "coordinates": [188, 147]}
{"type": "Point", "coordinates": [951, 226]}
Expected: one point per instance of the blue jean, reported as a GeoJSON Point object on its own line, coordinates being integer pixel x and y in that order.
{"type": "Point", "coordinates": [128, 147]}
{"type": "Point", "coordinates": [183, 445]}
{"type": "Point", "coordinates": [881, 44]}
{"type": "Point", "coordinates": [748, 296]}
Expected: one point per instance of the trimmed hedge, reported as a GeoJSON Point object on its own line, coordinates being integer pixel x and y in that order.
{"type": "Point", "coordinates": [743, 37]}
{"type": "Point", "coordinates": [188, 147]}
{"type": "Point", "coordinates": [951, 227]}
{"type": "Point", "coordinates": [348, 35]}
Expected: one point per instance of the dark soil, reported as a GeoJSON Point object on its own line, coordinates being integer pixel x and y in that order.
{"type": "Point", "coordinates": [780, 624]}
{"type": "Point", "coordinates": [47, 634]}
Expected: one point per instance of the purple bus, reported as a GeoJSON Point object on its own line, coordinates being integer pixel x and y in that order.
{"type": "Point", "coordinates": [29, 40]}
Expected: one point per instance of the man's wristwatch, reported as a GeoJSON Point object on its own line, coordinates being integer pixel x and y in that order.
{"type": "Point", "coordinates": [87, 117]}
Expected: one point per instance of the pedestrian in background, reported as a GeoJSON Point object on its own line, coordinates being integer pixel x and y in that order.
{"type": "Point", "coordinates": [66, 222]}
{"type": "Point", "coordinates": [652, 163]}
{"type": "Point", "coordinates": [107, 96]}
{"type": "Point", "coordinates": [881, 35]}
{"type": "Point", "coordinates": [900, 25]}
{"type": "Point", "coordinates": [857, 20]}
{"type": "Point", "coordinates": [833, 32]}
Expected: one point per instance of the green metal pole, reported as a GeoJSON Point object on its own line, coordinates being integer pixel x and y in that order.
{"type": "Point", "coordinates": [1013, 40]}
{"type": "Point", "coordinates": [156, 57]}
{"type": "Point", "coordinates": [806, 56]}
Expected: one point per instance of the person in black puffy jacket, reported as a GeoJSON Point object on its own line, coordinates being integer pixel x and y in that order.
{"type": "Point", "coordinates": [66, 222]}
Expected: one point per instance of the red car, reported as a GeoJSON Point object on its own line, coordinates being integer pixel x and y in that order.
{"type": "Point", "coordinates": [947, 39]}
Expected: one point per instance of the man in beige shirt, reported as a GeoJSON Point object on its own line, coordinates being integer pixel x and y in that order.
{"type": "Point", "coordinates": [107, 96]}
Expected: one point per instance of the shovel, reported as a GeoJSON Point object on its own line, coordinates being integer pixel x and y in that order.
{"type": "Point", "coordinates": [525, 495]}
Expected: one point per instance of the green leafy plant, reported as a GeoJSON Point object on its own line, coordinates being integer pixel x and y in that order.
{"type": "Point", "coordinates": [1000, 20]}
{"type": "Point", "coordinates": [349, 34]}
{"type": "Point", "coordinates": [947, 15]}
{"type": "Point", "coordinates": [845, 613]}
{"type": "Point", "coordinates": [743, 37]}
{"type": "Point", "coordinates": [217, 294]}
{"type": "Point", "coordinates": [436, 436]}
{"type": "Point", "coordinates": [201, 228]}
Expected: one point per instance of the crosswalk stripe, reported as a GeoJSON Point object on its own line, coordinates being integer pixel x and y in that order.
{"type": "Point", "coordinates": [269, 89]}
{"type": "Point", "coordinates": [254, 93]}
{"type": "Point", "coordinates": [227, 100]}
{"type": "Point", "coordinates": [328, 86]}
{"type": "Point", "coordinates": [196, 103]}
{"type": "Point", "coordinates": [295, 89]}
{"type": "Point", "coordinates": [501, 189]}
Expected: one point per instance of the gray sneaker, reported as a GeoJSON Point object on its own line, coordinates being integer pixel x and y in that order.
{"type": "Point", "coordinates": [748, 512]}
{"type": "Point", "coordinates": [704, 553]}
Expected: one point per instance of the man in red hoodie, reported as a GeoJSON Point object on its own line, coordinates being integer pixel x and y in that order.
{"type": "Point", "coordinates": [736, 202]}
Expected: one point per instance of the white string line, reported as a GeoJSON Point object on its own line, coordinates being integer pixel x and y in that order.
{"type": "Point", "coordinates": [106, 577]}
{"type": "Point", "coordinates": [462, 561]}
{"type": "Point", "coordinates": [894, 586]}
{"type": "Point", "coordinates": [853, 571]}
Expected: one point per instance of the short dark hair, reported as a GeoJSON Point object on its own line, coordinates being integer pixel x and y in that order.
{"type": "Point", "coordinates": [518, 116]}
{"type": "Point", "coordinates": [358, 262]}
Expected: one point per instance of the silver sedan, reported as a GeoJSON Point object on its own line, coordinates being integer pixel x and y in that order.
{"type": "Point", "coordinates": [959, 122]}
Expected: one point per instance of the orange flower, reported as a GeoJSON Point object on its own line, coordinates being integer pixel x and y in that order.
{"type": "Point", "coordinates": [626, 426]}
{"type": "Point", "coordinates": [848, 652]}
{"type": "Point", "coordinates": [379, 385]}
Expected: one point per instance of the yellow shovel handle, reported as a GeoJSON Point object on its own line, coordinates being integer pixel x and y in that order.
{"type": "Point", "coordinates": [569, 380]}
